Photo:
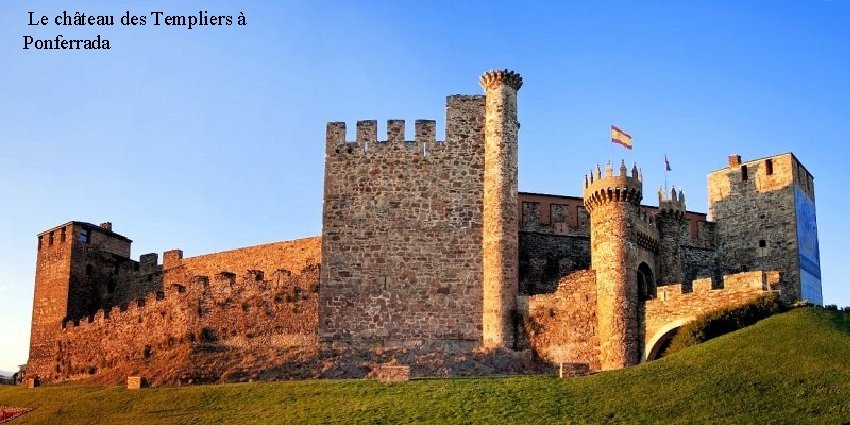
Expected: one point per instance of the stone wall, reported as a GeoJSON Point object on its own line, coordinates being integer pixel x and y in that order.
{"type": "Point", "coordinates": [119, 312]}
{"type": "Point", "coordinates": [546, 258]}
{"type": "Point", "coordinates": [286, 257]}
{"type": "Point", "coordinates": [673, 307]}
{"type": "Point", "coordinates": [154, 336]}
{"type": "Point", "coordinates": [401, 234]}
{"type": "Point", "coordinates": [562, 326]}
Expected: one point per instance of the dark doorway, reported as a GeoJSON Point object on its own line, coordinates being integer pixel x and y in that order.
{"type": "Point", "coordinates": [646, 282]}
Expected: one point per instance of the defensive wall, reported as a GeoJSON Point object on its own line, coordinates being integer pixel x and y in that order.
{"type": "Point", "coordinates": [210, 299]}
{"type": "Point", "coordinates": [562, 326]}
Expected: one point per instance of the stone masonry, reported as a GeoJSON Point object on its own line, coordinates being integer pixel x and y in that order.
{"type": "Point", "coordinates": [613, 202]}
{"type": "Point", "coordinates": [431, 262]}
{"type": "Point", "coordinates": [500, 234]}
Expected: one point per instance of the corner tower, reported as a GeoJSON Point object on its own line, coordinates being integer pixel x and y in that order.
{"type": "Point", "coordinates": [613, 202]}
{"type": "Point", "coordinates": [73, 278]}
{"type": "Point", "coordinates": [500, 222]}
{"type": "Point", "coordinates": [765, 214]}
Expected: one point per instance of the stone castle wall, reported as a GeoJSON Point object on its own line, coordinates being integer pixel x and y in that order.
{"type": "Point", "coordinates": [402, 223]}
{"type": "Point", "coordinates": [224, 298]}
{"type": "Point", "coordinates": [673, 307]}
{"type": "Point", "coordinates": [562, 326]}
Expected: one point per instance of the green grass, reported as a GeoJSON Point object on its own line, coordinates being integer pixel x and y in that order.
{"type": "Point", "coordinates": [791, 368]}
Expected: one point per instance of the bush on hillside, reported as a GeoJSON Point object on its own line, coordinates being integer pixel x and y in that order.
{"type": "Point", "coordinates": [720, 322]}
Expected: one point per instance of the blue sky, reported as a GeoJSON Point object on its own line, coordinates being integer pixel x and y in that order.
{"type": "Point", "coordinates": [212, 138]}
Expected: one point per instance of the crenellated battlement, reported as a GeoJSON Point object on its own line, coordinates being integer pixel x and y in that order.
{"type": "Point", "coordinates": [672, 205]}
{"type": "Point", "coordinates": [623, 187]}
{"type": "Point", "coordinates": [738, 283]}
{"type": "Point", "coordinates": [498, 77]}
{"type": "Point", "coordinates": [366, 136]}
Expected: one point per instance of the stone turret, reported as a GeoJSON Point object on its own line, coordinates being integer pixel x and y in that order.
{"type": "Point", "coordinates": [614, 202]}
{"type": "Point", "coordinates": [671, 224]}
{"type": "Point", "coordinates": [500, 221]}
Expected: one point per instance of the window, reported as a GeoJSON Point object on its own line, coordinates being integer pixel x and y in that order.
{"type": "Point", "coordinates": [62, 235]}
{"type": "Point", "coordinates": [84, 235]}
{"type": "Point", "coordinates": [50, 239]}
{"type": "Point", "coordinates": [744, 175]}
{"type": "Point", "coordinates": [40, 240]}
{"type": "Point", "coordinates": [88, 269]}
{"type": "Point", "coordinates": [768, 166]}
{"type": "Point", "coordinates": [762, 243]}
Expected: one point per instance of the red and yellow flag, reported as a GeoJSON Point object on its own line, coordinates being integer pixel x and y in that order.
{"type": "Point", "coordinates": [621, 137]}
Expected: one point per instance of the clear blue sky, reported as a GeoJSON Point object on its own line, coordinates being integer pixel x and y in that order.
{"type": "Point", "coordinates": [212, 138]}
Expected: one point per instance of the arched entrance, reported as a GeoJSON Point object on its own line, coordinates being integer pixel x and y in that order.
{"type": "Point", "coordinates": [646, 282]}
{"type": "Point", "coordinates": [655, 347]}
{"type": "Point", "coordinates": [661, 345]}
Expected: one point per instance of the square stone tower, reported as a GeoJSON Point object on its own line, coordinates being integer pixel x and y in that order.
{"type": "Point", "coordinates": [765, 215]}
{"type": "Point", "coordinates": [420, 237]}
{"type": "Point", "coordinates": [72, 279]}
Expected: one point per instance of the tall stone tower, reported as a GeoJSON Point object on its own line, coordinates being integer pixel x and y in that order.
{"type": "Point", "coordinates": [765, 214]}
{"type": "Point", "coordinates": [671, 224]}
{"type": "Point", "coordinates": [72, 280]}
{"type": "Point", "coordinates": [613, 202]}
{"type": "Point", "coordinates": [500, 221]}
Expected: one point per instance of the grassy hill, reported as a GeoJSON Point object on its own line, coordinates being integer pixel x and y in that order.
{"type": "Point", "coordinates": [791, 368]}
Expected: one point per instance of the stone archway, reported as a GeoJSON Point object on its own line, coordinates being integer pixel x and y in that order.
{"type": "Point", "coordinates": [654, 347]}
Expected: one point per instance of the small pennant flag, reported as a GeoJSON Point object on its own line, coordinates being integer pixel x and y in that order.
{"type": "Point", "coordinates": [666, 163]}
{"type": "Point", "coordinates": [621, 137]}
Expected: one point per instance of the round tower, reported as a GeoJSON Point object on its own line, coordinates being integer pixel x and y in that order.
{"type": "Point", "coordinates": [613, 202]}
{"type": "Point", "coordinates": [671, 224]}
{"type": "Point", "coordinates": [500, 222]}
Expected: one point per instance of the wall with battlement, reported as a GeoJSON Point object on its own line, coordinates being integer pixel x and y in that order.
{"type": "Point", "coordinates": [119, 308]}
{"type": "Point", "coordinates": [286, 257]}
{"type": "Point", "coordinates": [153, 336]}
{"type": "Point", "coordinates": [674, 306]}
{"type": "Point", "coordinates": [402, 223]}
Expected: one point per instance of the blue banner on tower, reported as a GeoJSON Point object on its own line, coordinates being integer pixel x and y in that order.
{"type": "Point", "coordinates": [807, 242]}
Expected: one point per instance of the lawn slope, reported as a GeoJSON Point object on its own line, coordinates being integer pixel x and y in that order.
{"type": "Point", "coordinates": [791, 368]}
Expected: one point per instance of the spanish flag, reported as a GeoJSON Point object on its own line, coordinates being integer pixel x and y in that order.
{"type": "Point", "coordinates": [621, 137]}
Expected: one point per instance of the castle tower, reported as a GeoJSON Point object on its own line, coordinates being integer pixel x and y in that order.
{"type": "Point", "coordinates": [613, 202]}
{"type": "Point", "coordinates": [71, 279]}
{"type": "Point", "coordinates": [671, 223]}
{"type": "Point", "coordinates": [765, 214]}
{"type": "Point", "coordinates": [500, 221]}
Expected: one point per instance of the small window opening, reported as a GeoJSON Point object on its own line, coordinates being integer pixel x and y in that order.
{"type": "Point", "coordinates": [762, 243]}
{"type": "Point", "coordinates": [88, 269]}
{"type": "Point", "coordinates": [40, 241]}
{"type": "Point", "coordinates": [62, 235]}
{"type": "Point", "coordinates": [744, 175]}
{"type": "Point", "coordinates": [84, 235]}
{"type": "Point", "coordinates": [768, 166]}
{"type": "Point", "coordinates": [50, 239]}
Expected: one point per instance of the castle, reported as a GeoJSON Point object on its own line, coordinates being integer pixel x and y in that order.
{"type": "Point", "coordinates": [427, 247]}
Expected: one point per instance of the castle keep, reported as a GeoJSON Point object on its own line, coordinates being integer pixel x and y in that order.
{"type": "Point", "coordinates": [430, 255]}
